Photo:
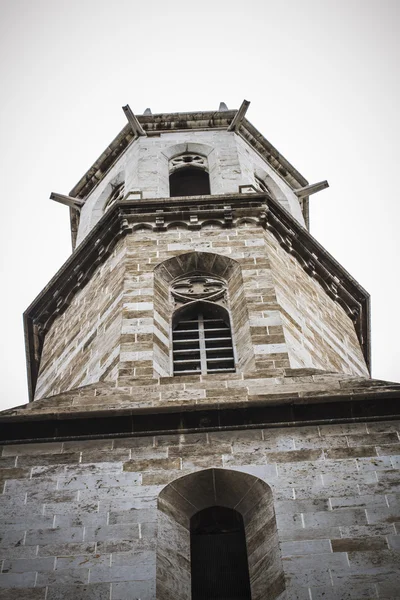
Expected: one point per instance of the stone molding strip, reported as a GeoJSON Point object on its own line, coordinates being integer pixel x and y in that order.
{"type": "Point", "coordinates": [192, 212]}
{"type": "Point", "coordinates": [294, 412]}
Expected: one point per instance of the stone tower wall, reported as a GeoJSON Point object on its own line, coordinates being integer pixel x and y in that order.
{"type": "Point", "coordinates": [80, 518]}
{"type": "Point", "coordinates": [113, 329]}
{"type": "Point", "coordinates": [144, 167]}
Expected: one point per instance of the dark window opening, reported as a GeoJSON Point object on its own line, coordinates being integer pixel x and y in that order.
{"type": "Point", "coordinates": [189, 181]}
{"type": "Point", "coordinates": [218, 551]}
{"type": "Point", "coordinates": [202, 340]}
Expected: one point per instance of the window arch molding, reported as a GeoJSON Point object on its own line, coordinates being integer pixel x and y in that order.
{"type": "Point", "coordinates": [175, 161]}
{"type": "Point", "coordinates": [183, 498]}
{"type": "Point", "coordinates": [211, 264]}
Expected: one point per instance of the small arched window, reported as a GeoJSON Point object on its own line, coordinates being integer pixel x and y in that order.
{"type": "Point", "coordinates": [189, 176]}
{"type": "Point", "coordinates": [219, 555]}
{"type": "Point", "coordinates": [189, 182]}
{"type": "Point", "coordinates": [202, 340]}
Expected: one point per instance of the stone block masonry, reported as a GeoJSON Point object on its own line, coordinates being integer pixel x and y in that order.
{"type": "Point", "coordinates": [112, 329]}
{"type": "Point", "coordinates": [79, 518]}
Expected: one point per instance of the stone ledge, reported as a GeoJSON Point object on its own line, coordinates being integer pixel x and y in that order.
{"type": "Point", "coordinates": [25, 426]}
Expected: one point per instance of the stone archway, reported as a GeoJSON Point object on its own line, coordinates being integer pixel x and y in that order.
{"type": "Point", "coordinates": [248, 495]}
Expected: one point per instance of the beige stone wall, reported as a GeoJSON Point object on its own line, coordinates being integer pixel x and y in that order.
{"type": "Point", "coordinates": [317, 330]}
{"type": "Point", "coordinates": [118, 326]}
{"type": "Point", "coordinates": [79, 519]}
{"type": "Point", "coordinates": [83, 344]}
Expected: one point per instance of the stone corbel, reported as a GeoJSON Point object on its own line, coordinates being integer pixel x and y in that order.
{"type": "Point", "coordinates": [160, 220]}
{"type": "Point", "coordinates": [194, 221]}
{"type": "Point", "coordinates": [228, 216]}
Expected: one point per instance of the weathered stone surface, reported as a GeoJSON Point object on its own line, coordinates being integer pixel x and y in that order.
{"type": "Point", "coordinates": [109, 518]}
{"type": "Point", "coordinates": [320, 510]}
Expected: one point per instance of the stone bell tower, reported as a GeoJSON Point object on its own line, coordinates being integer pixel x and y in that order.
{"type": "Point", "coordinates": [202, 420]}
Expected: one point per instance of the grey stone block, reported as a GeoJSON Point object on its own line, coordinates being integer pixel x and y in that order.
{"type": "Point", "coordinates": [305, 547]}
{"type": "Point", "coordinates": [134, 590]}
{"type": "Point", "coordinates": [112, 532]}
{"type": "Point", "coordinates": [357, 591]}
{"type": "Point", "coordinates": [376, 439]}
{"type": "Point", "coordinates": [129, 492]}
{"type": "Point", "coordinates": [140, 571]}
{"type": "Point", "coordinates": [383, 515]}
{"type": "Point", "coordinates": [343, 517]}
{"type": "Point", "coordinates": [83, 561]}
{"type": "Point", "coordinates": [301, 506]}
{"type": "Point", "coordinates": [372, 501]}
{"type": "Point", "coordinates": [381, 561]}
{"type": "Point", "coordinates": [11, 537]}
{"type": "Point", "coordinates": [93, 482]}
{"type": "Point", "coordinates": [30, 449]}
{"type": "Point", "coordinates": [66, 549]}
{"type": "Point", "coordinates": [334, 441]}
{"type": "Point", "coordinates": [71, 508]}
{"type": "Point", "coordinates": [126, 559]}
{"type": "Point", "coordinates": [50, 497]}
{"type": "Point", "coordinates": [28, 564]}
{"type": "Point", "coordinates": [99, 591]}
{"type": "Point", "coordinates": [358, 531]}
{"type": "Point", "coordinates": [375, 463]}
{"type": "Point", "coordinates": [317, 533]}
{"type": "Point", "coordinates": [85, 520]}
{"type": "Point", "coordinates": [62, 577]}
{"type": "Point", "coordinates": [51, 536]}
{"type": "Point", "coordinates": [31, 521]}
{"type": "Point", "coordinates": [394, 542]}
{"type": "Point", "coordinates": [18, 552]}
{"type": "Point", "coordinates": [133, 516]}
{"type": "Point", "coordinates": [17, 580]}
{"type": "Point", "coordinates": [23, 594]}
{"type": "Point", "coordinates": [124, 504]}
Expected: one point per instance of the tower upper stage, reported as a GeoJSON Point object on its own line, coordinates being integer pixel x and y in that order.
{"type": "Point", "coordinates": [139, 160]}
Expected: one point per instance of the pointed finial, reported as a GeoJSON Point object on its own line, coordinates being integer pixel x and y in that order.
{"type": "Point", "coordinates": [222, 107]}
{"type": "Point", "coordinates": [147, 111]}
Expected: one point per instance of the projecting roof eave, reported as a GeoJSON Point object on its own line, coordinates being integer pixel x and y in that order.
{"type": "Point", "coordinates": [174, 122]}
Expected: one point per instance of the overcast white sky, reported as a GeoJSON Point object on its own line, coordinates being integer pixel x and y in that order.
{"type": "Point", "coordinates": [324, 85]}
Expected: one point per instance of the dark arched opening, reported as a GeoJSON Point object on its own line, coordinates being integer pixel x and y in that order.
{"type": "Point", "coordinates": [218, 555]}
{"type": "Point", "coordinates": [202, 339]}
{"type": "Point", "coordinates": [189, 181]}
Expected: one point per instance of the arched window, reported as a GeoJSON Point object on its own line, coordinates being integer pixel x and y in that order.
{"type": "Point", "coordinates": [218, 555]}
{"type": "Point", "coordinates": [189, 182]}
{"type": "Point", "coordinates": [205, 504]}
{"type": "Point", "coordinates": [188, 175]}
{"type": "Point", "coordinates": [202, 340]}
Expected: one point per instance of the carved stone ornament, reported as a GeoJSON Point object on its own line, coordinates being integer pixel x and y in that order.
{"type": "Point", "coordinates": [187, 160]}
{"type": "Point", "coordinates": [198, 287]}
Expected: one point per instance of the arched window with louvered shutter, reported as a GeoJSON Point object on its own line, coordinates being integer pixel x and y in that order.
{"type": "Point", "coordinates": [202, 340]}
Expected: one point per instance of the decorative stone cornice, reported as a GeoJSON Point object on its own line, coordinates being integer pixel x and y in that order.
{"type": "Point", "coordinates": [192, 212]}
